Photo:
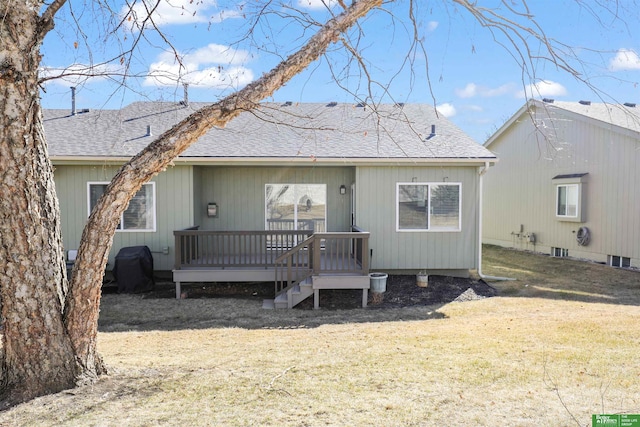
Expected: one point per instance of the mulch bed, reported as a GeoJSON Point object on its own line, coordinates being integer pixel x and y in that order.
{"type": "Point", "coordinates": [401, 291]}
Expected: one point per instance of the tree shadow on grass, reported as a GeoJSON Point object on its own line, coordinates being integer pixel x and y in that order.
{"type": "Point", "coordinates": [542, 276]}
{"type": "Point", "coordinates": [240, 305]}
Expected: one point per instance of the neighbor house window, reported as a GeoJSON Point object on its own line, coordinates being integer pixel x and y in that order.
{"type": "Point", "coordinates": [569, 196]}
{"type": "Point", "coordinates": [559, 252]}
{"type": "Point", "coordinates": [140, 215]}
{"type": "Point", "coordinates": [619, 261]}
{"type": "Point", "coordinates": [428, 206]}
{"type": "Point", "coordinates": [567, 203]}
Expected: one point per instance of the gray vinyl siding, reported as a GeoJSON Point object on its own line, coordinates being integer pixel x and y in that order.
{"type": "Point", "coordinates": [174, 209]}
{"type": "Point", "coordinates": [412, 251]}
{"type": "Point", "coordinates": [519, 189]}
{"type": "Point", "coordinates": [239, 193]}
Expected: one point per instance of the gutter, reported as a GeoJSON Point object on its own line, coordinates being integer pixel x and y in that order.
{"type": "Point", "coordinates": [481, 172]}
{"type": "Point", "coordinates": [284, 161]}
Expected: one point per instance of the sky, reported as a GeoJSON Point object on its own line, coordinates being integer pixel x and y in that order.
{"type": "Point", "coordinates": [477, 76]}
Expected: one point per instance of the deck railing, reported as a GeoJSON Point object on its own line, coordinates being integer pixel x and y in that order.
{"type": "Point", "coordinates": [196, 248]}
{"type": "Point", "coordinates": [295, 254]}
{"type": "Point", "coordinates": [324, 253]}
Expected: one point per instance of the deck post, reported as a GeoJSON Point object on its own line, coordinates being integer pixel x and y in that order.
{"type": "Point", "coordinates": [316, 262]}
{"type": "Point", "coordinates": [178, 252]}
{"type": "Point", "coordinates": [365, 254]}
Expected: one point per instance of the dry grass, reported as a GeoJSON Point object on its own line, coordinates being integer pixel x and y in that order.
{"type": "Point", "coordinates": [560, 344]}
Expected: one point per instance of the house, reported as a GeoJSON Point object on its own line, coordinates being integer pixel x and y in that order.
{"type": "Point", "coordinates": [394, 189]}
{"type": "Point", "coordinates": [566, 183]}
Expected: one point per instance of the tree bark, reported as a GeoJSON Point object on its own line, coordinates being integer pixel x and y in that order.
{"type": "Point", "coordinates": [38, 356]}
{"type": "Point", "coordinates": [50, 334]}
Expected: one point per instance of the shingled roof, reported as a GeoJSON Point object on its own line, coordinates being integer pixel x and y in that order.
{"type": "Point", "coordinates": [273, 131]}
{"type": "Point", "coordinates": [626, 116]}
{"type": "Point", "coordinates": [623, 117]}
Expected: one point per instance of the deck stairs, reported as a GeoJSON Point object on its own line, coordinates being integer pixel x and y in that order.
{"type": "Point", "coordinates": [289, 298]}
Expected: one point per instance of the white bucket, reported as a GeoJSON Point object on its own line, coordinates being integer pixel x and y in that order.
{"type": "Point", "coordinates": [378, 282]}
{"type": "Point", "coordinates": [422, 280]}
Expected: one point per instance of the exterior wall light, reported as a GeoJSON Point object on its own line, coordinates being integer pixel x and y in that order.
{"type": "Point", "coordinates": [343, 189]}
{"type": "Point", "coordinates": [212, 210]}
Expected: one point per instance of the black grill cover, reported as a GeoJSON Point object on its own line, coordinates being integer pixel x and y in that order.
{"type": "Point", "coordinates": [134, 270]}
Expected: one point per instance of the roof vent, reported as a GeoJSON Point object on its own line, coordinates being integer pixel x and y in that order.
{"type": "Point", "coordinates": [332, 104]}
{"type": "Point", "coordinates": [399, 104]}
{"type": "Point", "coordinates": [630, 104]}
{"type": "Point", "coordinates": [185, 101]}
{"type": "Point", "coordinates": [433, 132]}
{"type": "Point", "coordinates": [548, 100]}
{"type": "Point", "coordinates": [585, 102]}
{"type": "Point", "coordinates": [149, 131]}
{"type": "Point", "coordinates": [73, 101]}
{"type": "Point", "coordinates": [287, 104]}
{"type": "Point", "coordinates": [360, 105]}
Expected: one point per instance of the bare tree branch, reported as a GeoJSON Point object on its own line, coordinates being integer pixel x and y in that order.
{"type": "Point", "coordinates": [46, 19]}
{"type": "Point", "coordinates": [97, 237]}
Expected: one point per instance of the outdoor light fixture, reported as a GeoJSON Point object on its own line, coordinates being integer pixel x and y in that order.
{"type": "Point", "coordinates": [343, 189]}
{"type": "Point", "coordinates": [212, 210]}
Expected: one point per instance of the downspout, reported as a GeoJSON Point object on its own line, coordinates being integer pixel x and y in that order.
{"type": "Point", "coordinates": [481, 172]}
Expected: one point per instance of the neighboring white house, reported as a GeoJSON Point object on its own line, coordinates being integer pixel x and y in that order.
{"type": "Point", "coordinates": [567, 182]}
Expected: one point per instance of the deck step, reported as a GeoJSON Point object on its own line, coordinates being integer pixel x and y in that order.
{"type": "Point", "coordinates": [268, 304]}
{"type": "Point", "coordinates": [281, 301]}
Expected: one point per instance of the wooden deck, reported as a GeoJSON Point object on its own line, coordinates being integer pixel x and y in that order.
{"type": "Point", "coordinates": [286, 258]}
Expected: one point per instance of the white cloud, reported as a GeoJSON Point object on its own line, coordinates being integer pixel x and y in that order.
{"type": "Point", "coordinates": [446, 109]}
{"type": "Point", "coordinates": [317, 4]}
{"type": "Point", "coordinates": [625, 59]}
{"type": "Point", "coordinates": [432, 25]}
{"type": "Point", "coordinates": [542, 88]}
{"type": "Point", "coordinates": [78, 74]}
{"type": "Point", "coordinates": [213, 66]}
{"type": "Point", "coordinates": [471, 90]}
{"type": "Point", "coordinates": [170, 12]}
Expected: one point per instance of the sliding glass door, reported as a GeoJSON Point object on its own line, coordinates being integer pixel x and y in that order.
{"type": "Point", "coordinates": [296, 207]}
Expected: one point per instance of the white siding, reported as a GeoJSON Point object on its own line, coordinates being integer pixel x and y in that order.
{"type": "Point", "coordinates": [519, 189]}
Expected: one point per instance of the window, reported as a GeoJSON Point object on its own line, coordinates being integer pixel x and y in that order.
{"type": "Point", "coordinates": [140, 215]}
{"type": "Point", "coordinates": [567, 203]}
{"type": "Point", "coordinates": [428, 206]}
{"type": "Point", "coordinates": [569, 197]}
{"type": "Point", "coordinates": [296, 207]}
{"type": "Point", "coordinates": [559, 252]}
{"type": "Point", "coordinates": [619, 261]}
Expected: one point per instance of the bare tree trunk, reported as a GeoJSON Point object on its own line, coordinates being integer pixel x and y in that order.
{"type": "Point", "coordinates": [38, 355]}
{"type": "Point", "coordinates": [50, 335]}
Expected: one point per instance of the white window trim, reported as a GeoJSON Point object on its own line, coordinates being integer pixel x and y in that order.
{"type": "Point", "coordinates": [578, 190]}
{"type": "Point", "coordinates": [120, 230]}
{"type": "Point", "coordinates": [578, 180]}
{"type": "Point", "coordinates": [428, 229]}
{"type": "Point", "coordinates": [621, 261]}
